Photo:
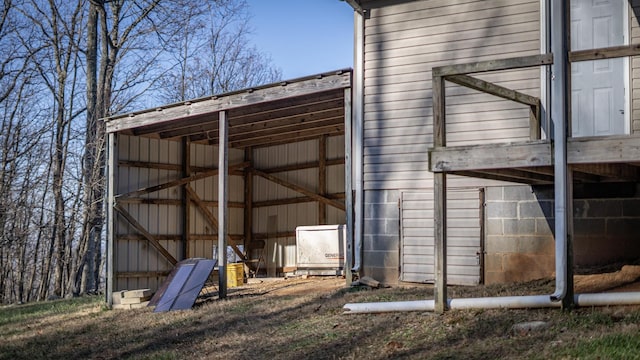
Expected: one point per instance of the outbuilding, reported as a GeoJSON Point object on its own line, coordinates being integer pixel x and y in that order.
{"type": "Point", "coordinates": [233, 172]}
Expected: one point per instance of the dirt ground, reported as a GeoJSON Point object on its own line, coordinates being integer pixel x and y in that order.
{"type": "Point", "coordinates": [303, 318]}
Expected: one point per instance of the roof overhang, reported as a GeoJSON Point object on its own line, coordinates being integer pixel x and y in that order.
{"type": "Point", "coordinates": [283, 112]}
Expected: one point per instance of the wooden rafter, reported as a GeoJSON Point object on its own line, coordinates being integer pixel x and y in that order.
{"type": "Point", "coordinates": [299, 189]}
{"type": "Point", "coordinates": [612, 171]}
{"type": "Point", "coordinates": [193, 196]}
{"type": "Point", "coordinates": [178, 182]}
{"type": "Point", "coordinates": [139, 228]}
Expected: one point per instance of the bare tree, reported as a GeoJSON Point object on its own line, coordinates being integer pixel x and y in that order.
{"type": "Point", "coordinates": [214, 55]}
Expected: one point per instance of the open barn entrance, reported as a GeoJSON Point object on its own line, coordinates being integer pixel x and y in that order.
{"type": "Point", "coordinates": [285, 151]}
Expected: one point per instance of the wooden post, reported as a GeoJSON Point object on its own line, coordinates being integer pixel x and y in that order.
{"type": "Point", "coordinates": [348, 187]}
{"type": "Point", "coordinates": [223, 173]}
{"type": "Point", "coordinates": [186, 202]}
{"type": "Point", "coordinates": [440, 198]}
{"type": "Point", "coordinates": [248, 204]}
{"type": "Point", "coordinates": [322, 178]}
{"type": "Point", "coordinates": [112, 158]}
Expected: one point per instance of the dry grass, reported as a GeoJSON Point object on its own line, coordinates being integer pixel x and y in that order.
{"type": "Point", "coordinates": [302, 319]}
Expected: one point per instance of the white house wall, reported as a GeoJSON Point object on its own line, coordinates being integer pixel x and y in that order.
{"type": "Point", "coordinates": [403, 41]}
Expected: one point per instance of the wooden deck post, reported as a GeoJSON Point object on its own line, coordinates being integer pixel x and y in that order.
{"type": "Point", "coordinates": [223, 185]}
{"type": "Point", "coordinates": [440, 198]}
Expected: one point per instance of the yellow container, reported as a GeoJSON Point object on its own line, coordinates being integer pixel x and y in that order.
{"type": "Point", "coordinates": [235, 275]}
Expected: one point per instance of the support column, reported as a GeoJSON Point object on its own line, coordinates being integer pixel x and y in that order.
{"type": "Point", "coordinates": [440, 198]}
{"type": "Point", "coordinates": [223, 186]}
{"type": "Point", "coordinates": [348, 186]}
{"type": "Point", "coordinates": [186, 201]}
{"type": "Point", "coordinates": [563, 179]}
{"type": "Point", "coordinates": [322, 178]}
{"type": "Point", "coordinates": [112, 159]}
{"type": "Point", "coordinates": [248, 210]}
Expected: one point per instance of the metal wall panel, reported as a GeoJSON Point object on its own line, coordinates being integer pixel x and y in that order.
{"type": "Point", "coordinates": [281, 251]}
{"type": "Point", "coordinates": [463, 230]}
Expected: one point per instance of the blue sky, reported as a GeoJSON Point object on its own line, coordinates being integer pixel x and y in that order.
{"type": "Point", "coordinates": [304, 37]}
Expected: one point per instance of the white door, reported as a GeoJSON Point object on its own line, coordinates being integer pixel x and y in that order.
{"type": "Point", "coordinates": [597, 87]}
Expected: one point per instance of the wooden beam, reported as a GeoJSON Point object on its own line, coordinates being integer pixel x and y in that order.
{"type": "Point", "coordinates": [112, 228]}
{"type": "Point", "coordinates": [612, 171]}
{"type": "Point", "coordinates": [174, 202]}
{"type": "Point", "coordinates": [186, 200]}
{"type": "Point", "coordinates": [248, 199]}
{"type": "Point", "coordinates": [322, 178]}
{"type": "Point", "coordinates": [178, 182]}
{"type": "Point", "coordinates": [490, 156]}
{"type": "Point", "coordinates": [535, 121]}
{"type": "Point", "coordinates": [296, 200]}
{"type": "Point", "coordinates": [206, 127]}
{"type": "Point", "coordinates": [608, 149]}
{"type": "Point", "coordinates": [141, 274]}
{"type": "Point", "coordinates": [139, 228]}
{"type": "Point", "coordinates": [299, 189]}
{"type": "Point", "coordinates": [440, 198]}
{"type": "Point", "coordinates": [223, 196]}
{"type": "Point", "coordinates": [149, 165]}
{"type": "Point", "coordinates": [494, 65]}
{"type": "Point", "coordinates": [439, 123]}
{"type": "Point", "coordinates": [440, 239]}
{"type": "Point", "coordinates": [514, 175]}
{"type": "Point", "coordinates": [302, 166]}
{"type": "Point", "coordinates": [493, 89]}
{"type": "Point", "coordinates": [210, 218]}
{"type": "Point", "coordinates": [185, 122]}
{"type": "Point", "coordinates": [280, 234]}
{"type": "Point", "coordinates": [159, 237]}
{"type": "Point", "coordinates": [604, 53]}
{"type": "Point", "coordinates": [331, 128]}
{"type": "Point", "coordinates": [282, 119]}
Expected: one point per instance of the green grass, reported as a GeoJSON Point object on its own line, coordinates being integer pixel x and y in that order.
{"type": "Point", "coordinates": [614, 346]}
{"type": "Point", "coordinates": [14, 314]}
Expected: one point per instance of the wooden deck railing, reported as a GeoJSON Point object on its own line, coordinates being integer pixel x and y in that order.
{"type": "Point", "coordinates": [458, 74]}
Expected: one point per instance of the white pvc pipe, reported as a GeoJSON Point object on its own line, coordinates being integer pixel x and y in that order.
{"type": "Point", "coordinates": [503, 302]}
{"type": "Point", "coordinates": [606, 299]}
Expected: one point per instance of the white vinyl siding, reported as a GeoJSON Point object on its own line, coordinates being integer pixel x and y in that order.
{"type": "Point", "coordinates": [403, 42]}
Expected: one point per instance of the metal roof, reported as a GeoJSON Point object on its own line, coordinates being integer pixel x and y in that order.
{"type": "Point", "coordinates": [284, 112]}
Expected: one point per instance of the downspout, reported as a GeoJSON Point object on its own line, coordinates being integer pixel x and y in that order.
{"type": "Point", "coordinates": [562, 174]}
{"type": "Point", "coordinates": [358, 143]}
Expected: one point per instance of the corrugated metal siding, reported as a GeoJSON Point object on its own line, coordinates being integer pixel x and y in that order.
{"type": "Point", "coordinates": [134, 254]}
{"type": "Point", "coordinates": [463, 230]}
{"type": "Point", "coordinates": [403, 41]}
{"type": "Point", "coordinates": [281, 252]}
